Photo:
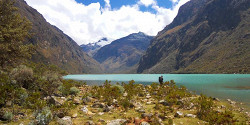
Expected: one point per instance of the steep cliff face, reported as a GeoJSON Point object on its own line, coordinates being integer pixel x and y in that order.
{"type": "Point", "coordinates": [207, 36]}
{"type": "Point", "coordinates": [123, 55]}
{"type": "Point", "coordinates": [55, 47]}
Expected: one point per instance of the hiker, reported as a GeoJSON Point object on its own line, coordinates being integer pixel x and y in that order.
{"type": "Point", "coordinates": [161, 80]}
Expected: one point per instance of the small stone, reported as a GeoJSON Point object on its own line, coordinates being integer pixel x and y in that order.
{"type": "Point", "coordinates": [144, 115]}
{"type": "Point", "coordinates": [149, 103]}
{"type": "Point", "coordinates": [66, 121]}
{"type": "Point", "coordinates": [63, 98]}
{"type": "Point", "coordinates": [190, 115]}
{"type": "Point", "coordinates": [137, 121]}
{"type": "Point", "coordinates": [125, 94]}
{"type": "Point", "coordinates": [117, 122]}
{"type": "Point", "coordinates": [90, 113]}
{"type": "Point", "coordinates": [178, 114]}
{"type": "Point", "coordinates": [74, 115]}
{"type": "Point", "coordinates": [85, 110]}
{"type": "Point", "coordinates": [8, 104]}
{"type": "Point", "coordinates": [98, 105]}
{"type": "Point", "coordinates": [87, 100]}
{"type": "Point", "coordinates": [155, 93]}
{"type": "Point", "coordinates": [77, 101]}
{"type": "Point", "coordinates": [216, 99]}
{"type": "Point", "coordinates": [141, 111]}
{"type": "Point", "coordinates": [148, 96]}
{"type": "Point", "coordinates": [100, 113]}
{"type": "Point", "coordinates": [145, 123]}
{"type": "Point", "coordinates": [89, 123]}
{"type": "Point", "coordinates": [101, 120]}
{"type": "Point", "coordinates": [163, 102]}
{"type": "Point", "coordinates": [222, 106]}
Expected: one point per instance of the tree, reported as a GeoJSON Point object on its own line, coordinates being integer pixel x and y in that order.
{"type": "Point", "coordinates": [13, 31]}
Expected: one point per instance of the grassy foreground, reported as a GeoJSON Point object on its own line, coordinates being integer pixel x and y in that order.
{"type": "Point", "coordinates": [75, 103]}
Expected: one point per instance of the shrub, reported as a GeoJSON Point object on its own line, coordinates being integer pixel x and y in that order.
{"type": "Point", "coordinates": [43, 117]}
{"type": "Point", "coordinates": [74, 91]}
{"type": "Point", "coordinates": [170, 122]}
{"type": "Point", "coordinates": [67, 85]}
{"type": "Point", "coordinates": [206, 112]}
{"type": "Point", "coordinates": [125, 103]}
{"type": "Point", "coordinates": [5, 88]}
{"type": "Point", "coordinates": [8, 116]}
{"type": "Point", "coordinates": [121, 88]}
{"type": "Point", "coordinates": [49, 83]}
{"type": "Point", "coordinates": [21, 95]}
{"type": "Point", "coordinates": [23, 76]}
{"type": "Point", "coordinates": [34, 101]}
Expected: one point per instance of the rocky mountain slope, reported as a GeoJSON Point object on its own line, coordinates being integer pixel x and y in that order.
{"type": "Point", "coordinates": [92, 48]}
{"type": "Point", "coordinates": [123, 55]}
{"type": "Point", "coordinates": [207, 36]}
{"type": "Point", "coordinates": [55, 47]}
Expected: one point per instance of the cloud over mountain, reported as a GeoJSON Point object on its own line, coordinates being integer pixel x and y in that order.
{"type": "Point", "coordinates": [89, 23]}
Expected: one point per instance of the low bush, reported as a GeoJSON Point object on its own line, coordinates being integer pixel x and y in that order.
{"type": "Point", "coordinates": [23, 76]}
{"type": "Point", "coordinates": [74, 91]}
{"type": "Point", "coordinates": [207, 113]}
{"type": "Point", "coordinates": [8, 116]}
{"type": "Point", "coordinates": [43, 117]}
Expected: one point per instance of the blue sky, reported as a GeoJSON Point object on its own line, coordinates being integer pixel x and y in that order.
{"type": "Point", "coordinates": [87, 21]}
{"type": "Point", "coordinates": [116, 4]}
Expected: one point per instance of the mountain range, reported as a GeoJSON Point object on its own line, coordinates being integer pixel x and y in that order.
{"type": "Point", "coordinates": [92, 48]}
{"type": "Point", "coordinates": [123, 55]}
{"type": "Point", "coordinates": [55, 47]}
{"type": "Point", "coordinates": [207, 36]}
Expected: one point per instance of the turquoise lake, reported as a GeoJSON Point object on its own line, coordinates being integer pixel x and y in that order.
{"type": "Point", "coordinates": [224, 86]}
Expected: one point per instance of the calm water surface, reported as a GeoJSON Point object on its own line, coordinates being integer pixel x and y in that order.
{"type": "Point", "coordinates": [233, 86]}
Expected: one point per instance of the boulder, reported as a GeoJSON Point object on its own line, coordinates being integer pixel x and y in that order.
{"type": "Point", "coordinates": [117, 122]}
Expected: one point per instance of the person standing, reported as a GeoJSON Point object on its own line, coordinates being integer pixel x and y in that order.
{"type": "Point", "coordinates": [161, 80]}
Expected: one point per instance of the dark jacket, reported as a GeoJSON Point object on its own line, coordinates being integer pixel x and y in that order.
{"type": "Point", "coordinates": [160, 80]}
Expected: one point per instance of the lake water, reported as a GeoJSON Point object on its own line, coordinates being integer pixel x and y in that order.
{"type": "Point", "coordinates": [224, 86]}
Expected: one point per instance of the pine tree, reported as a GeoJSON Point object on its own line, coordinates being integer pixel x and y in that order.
{"type": "Point", "coordinates": [14, 29]}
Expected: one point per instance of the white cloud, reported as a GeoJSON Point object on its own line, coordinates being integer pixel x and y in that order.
{"type": "Point", "coordinates": [87, 24]}
{"type": "Point", "coordinates": [174, 1]}
{"type": "Point", "coordinates": [147, 2]}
